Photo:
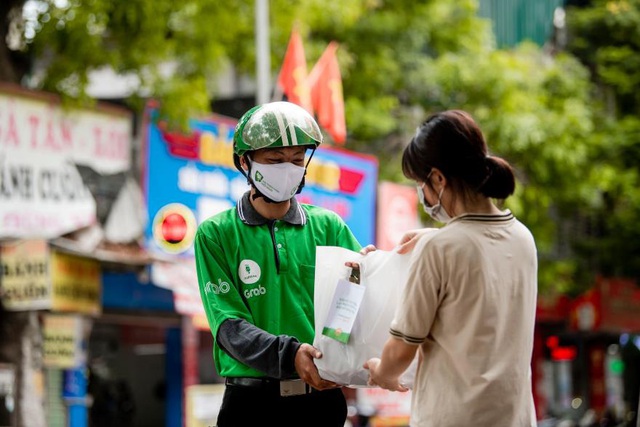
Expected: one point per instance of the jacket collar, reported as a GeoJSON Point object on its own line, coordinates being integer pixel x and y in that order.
{"type": "Point", "coordinates": [250, 216]}
{"type": "Point", "coordinates": [500, 218]}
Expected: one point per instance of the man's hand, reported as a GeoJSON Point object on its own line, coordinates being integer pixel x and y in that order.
{"type": "Point", "coordinates": [355, 275]}
{"type": "Point", "coordinates": [307, 370]}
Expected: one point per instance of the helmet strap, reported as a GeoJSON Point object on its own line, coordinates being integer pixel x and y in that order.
{"type": "Point", "coordinates": [257, 194]}
{"type": "Point", "coordinates": [301, 186]}
{"type": "Point", "coordinates": [238, 165]}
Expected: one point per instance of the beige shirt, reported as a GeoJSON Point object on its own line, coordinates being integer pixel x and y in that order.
{"type": "Point", "coordinates": [470, 304]}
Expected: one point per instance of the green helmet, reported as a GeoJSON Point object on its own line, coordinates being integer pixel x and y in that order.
{"type": "Point", "coordinates": [276, 124]}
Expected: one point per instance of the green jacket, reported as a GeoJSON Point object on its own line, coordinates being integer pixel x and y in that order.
{"type": "Point", "coordinates": [263, 271]}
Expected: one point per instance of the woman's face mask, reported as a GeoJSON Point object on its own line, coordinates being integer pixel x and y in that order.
{"type": "Point", "coordinates": [437, 211]}
{"type": "Point", "coordinates": [279, 181]}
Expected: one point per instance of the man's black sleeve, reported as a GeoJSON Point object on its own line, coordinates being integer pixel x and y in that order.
{"type": "Point", "coordinates": [258, 349]}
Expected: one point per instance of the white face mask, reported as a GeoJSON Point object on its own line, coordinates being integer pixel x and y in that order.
{"type": "Point", "coordinates": [279, 181]}
{"type": "Point", "coordinates": [437, 211]}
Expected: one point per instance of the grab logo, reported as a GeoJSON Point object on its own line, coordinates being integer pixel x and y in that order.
{"type": "Point", "coordinates": [255, 292]}
{"type": "Point", "coordinates": [216, 289]}
{"type": "Point", "coordinates": [249, 271]}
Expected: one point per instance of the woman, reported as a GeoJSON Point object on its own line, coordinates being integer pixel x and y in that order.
{"type": "Point", "coordinates": [469, 304]}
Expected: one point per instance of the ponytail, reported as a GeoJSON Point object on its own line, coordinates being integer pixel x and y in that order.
{"type": "Point", "coordinates": [500, 182]}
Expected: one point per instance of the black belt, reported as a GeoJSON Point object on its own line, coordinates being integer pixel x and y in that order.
{"type": "Point", "coordinates": [284, 387]}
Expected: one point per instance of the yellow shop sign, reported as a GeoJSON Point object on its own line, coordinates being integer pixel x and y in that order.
{"type": "Point", "coordinates": [24, 275]}
{"type": "Point", "coordinates": [76, 284]}
{"type": "Point", "coordinates": [62, 346]}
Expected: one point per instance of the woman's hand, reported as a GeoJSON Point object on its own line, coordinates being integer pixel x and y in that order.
{"type": "Point", "coordinates": [367, 249]}
{"type": "Point", "coordinates": [410, 238]}
{"type": "Point", "coordinates": [376, 379]}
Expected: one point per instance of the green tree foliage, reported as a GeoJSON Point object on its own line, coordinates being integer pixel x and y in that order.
{"type": "Point", "coordinates": [401, 63]}
{"type": "Point", "coordinates": [171, 51]}
{"type": "Point", "coordinates": [605, 36]}
{"type": "Point", "coordinates": [174, 49]}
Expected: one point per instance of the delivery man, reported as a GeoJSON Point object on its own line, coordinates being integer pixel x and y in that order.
{"type": "Point", "coordinates": [256, 266]}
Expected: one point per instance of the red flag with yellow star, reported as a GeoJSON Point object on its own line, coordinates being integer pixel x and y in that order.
{"type": "Point", "coordinates": [293, 74]}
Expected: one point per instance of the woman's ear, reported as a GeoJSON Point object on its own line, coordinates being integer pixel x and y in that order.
{"type": "Point", "coordinates": [438, 178]}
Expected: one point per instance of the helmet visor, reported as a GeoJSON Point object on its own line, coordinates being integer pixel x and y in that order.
{"type": "Point", "coordinates": [279, 120]}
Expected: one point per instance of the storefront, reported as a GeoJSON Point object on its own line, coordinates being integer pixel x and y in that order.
{"type": "Point", "coordinates": [51, 296]}
{"type": "Point", "coordinates": [58, 296]}
{"type": "Point", "coordinates": [135, 363]}
{"type": "Point", "coordinates": [587, 352]}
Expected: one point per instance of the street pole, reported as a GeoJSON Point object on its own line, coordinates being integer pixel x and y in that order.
{"type": "Point", "coordinates": [263, 55]}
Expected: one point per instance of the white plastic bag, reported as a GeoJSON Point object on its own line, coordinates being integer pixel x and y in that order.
{"type": "Point", "coordinates": [384, 275]}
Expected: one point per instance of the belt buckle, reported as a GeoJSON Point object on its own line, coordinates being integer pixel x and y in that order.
{"type": "Point", "coordinates": [292, 388]}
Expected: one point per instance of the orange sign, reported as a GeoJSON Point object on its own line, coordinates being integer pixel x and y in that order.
{"type": "Point", "coordinates": [390, 408]}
